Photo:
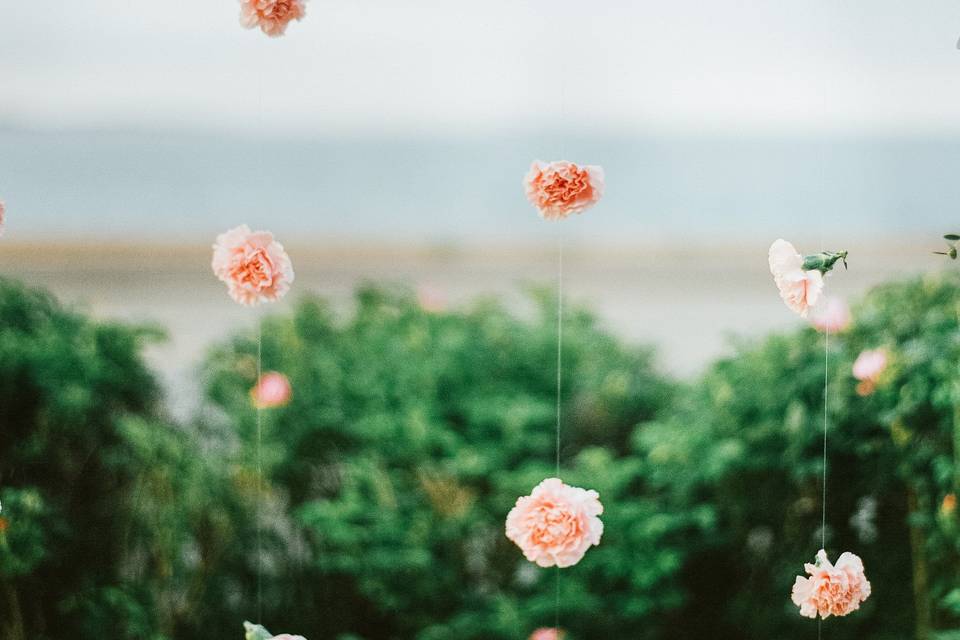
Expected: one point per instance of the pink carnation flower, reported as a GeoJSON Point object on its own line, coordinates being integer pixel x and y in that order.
{"type": "Point", "coordinates": [831, 315]}
{"type": "Point", "coordinates": [253, 265]}
{"type": "Point", "coordinates": [272, 16]}
{"type": "Point", "coordinates": [831, 590]}
{"type": "Point", "coordinates": [560, 188]}
{"type": "Point", "coordinates": [799, 289]}
{"type": "Point", "coordinates": [867, 368]}
{"type": "Point", "coordinates": [3, 217]}
{"type": "Point", "coordinates": [556, 523]}
{"type": "Point", "coordinates": [272, 390]}
{"type": "Point", "coordinates": [870, 364]}
{"type": "Point", "coordinates": [547, 633]}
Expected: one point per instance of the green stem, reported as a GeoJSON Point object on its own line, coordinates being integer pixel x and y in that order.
{"type": "Point", "coordinates": [824, 261]}
{"type": "Point", "coordinates": [921, 587]}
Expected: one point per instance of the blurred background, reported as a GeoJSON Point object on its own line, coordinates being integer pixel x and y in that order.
{"type": "Point", "coordinates": [386, 143]}
{"type": "Point", "coordinates": [390, 140]}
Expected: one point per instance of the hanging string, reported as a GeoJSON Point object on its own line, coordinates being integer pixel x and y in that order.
{"type": "Point", "coordinates": [259, 440]}
{"type": "Point", "coordinates": [823, 499]}
{"type": "Point", "coordinates": [826, 380]}
{"type": "Point", "coordinates": [563, 152]}
{"type": "Point", "coordinates": [259, 464]}
{"type": "Point", "coordinates": [559, 344]}
{"type": "Point", "coordinates": [556, 622]}
{"type": "Point", "coordinates": [826, 377]}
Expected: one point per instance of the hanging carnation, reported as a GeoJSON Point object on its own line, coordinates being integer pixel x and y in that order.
{"type": "Point", "coordinates": [272, 390]}
{"type": "Point", "coordinates": [800, 279]}
{"type": "Point", "coordinates": [556, 523]}
{"type": "Point", "coordinates": [272, 16]}
{"type": "Point", "coordinates": [253, 265]}
{"type": "Point", "coordinates": [831, 590]}
{"type": "Point", "coordinates": [256, 632]}
{"type": "Point", "coordinates": [560, 188]}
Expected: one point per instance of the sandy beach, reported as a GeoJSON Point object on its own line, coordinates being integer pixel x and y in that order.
{"type": "Point", "coordinates": [685, 301]}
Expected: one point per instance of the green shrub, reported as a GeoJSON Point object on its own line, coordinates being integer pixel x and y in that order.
{"type": "Point", "coordinates": [100, 497]}
{"type": "Point", "coordinates": [66, 384]}
{"type": "Point", "coordinates": [410, 434]}
{"type": "Point", "coordinates": [745, 443]}
{"type": "Point", "coordinates": [409, 437]}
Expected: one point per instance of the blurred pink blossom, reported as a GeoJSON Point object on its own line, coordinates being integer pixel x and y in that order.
{"type": "Point", "coordinates": [831, 590]}
{"type": "Point", "coordinates": [431, 299]}
{"type": "Point", "coordinates": [867, 368]}
{"type": "Point", "coordinates": [272, 390]}
{"type": "Point", "coordinates": [547, 633]}
{"type": "Point", "coordinates": [253, 265]}
{"type": "Point", "coordinates": [831, 315]}
{"type": "Point", "coordinates": [272, 16]}
{"type": "Point", "coordinates": [799, 289]}
{"type": "Point", "coordinates": [556, 523]}
{"type": "Point", "coordinates": [560, 188]}
{"type": "Point", "coordinates": [3, 217]}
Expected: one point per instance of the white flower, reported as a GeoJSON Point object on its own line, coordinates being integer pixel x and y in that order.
{"type": "Point", "coordinates": [799, 289]}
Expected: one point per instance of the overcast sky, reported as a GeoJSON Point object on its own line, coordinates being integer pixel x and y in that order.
{"type": "Point", "coordinates": [367, 65]}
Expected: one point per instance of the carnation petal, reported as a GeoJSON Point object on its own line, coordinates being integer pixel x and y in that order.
{"type": "Point", "coordinates": [831, 590]}
{"type": "Point", "coordinates": [272, 16]}
{"type": "Point", "coordinates": [556, 524]}
{"type": "Point", "coordinates": [561, 188]}
{"type": "Point", "coordinates": [253, 265]}
{"type": "Point", "coordinates": [783, 258]}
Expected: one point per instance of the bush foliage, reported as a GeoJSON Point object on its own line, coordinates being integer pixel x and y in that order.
{"type": "Point", "coordinates": [411, 434]}
{"type": "Point", "coordinates": [383, 485]}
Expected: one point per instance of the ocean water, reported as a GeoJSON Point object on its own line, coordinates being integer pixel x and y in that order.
{"type": "Point", "coordinates": [183, 188]}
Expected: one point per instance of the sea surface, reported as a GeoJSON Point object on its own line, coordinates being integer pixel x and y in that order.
{"type": "Point", "coordinates": [183, 188]}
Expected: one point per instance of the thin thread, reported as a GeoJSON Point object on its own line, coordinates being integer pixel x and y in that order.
{"type": "Point", "coordinates": [559, 345]}
{"type": "Point", "coordinates": [563, 153]}
{"type": "Point", "coordinates": [563, 94]}
{"type": "Point", "coordinates": [556, 617]}
{"type": "Point", "coordinates": [826, 374]}
{"type": "Point", "coordinates": [823, 499]}
{"type": "Point", "coordinates": [556, 611]}
{"type": "Point", "coordinates": [259, 460]}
